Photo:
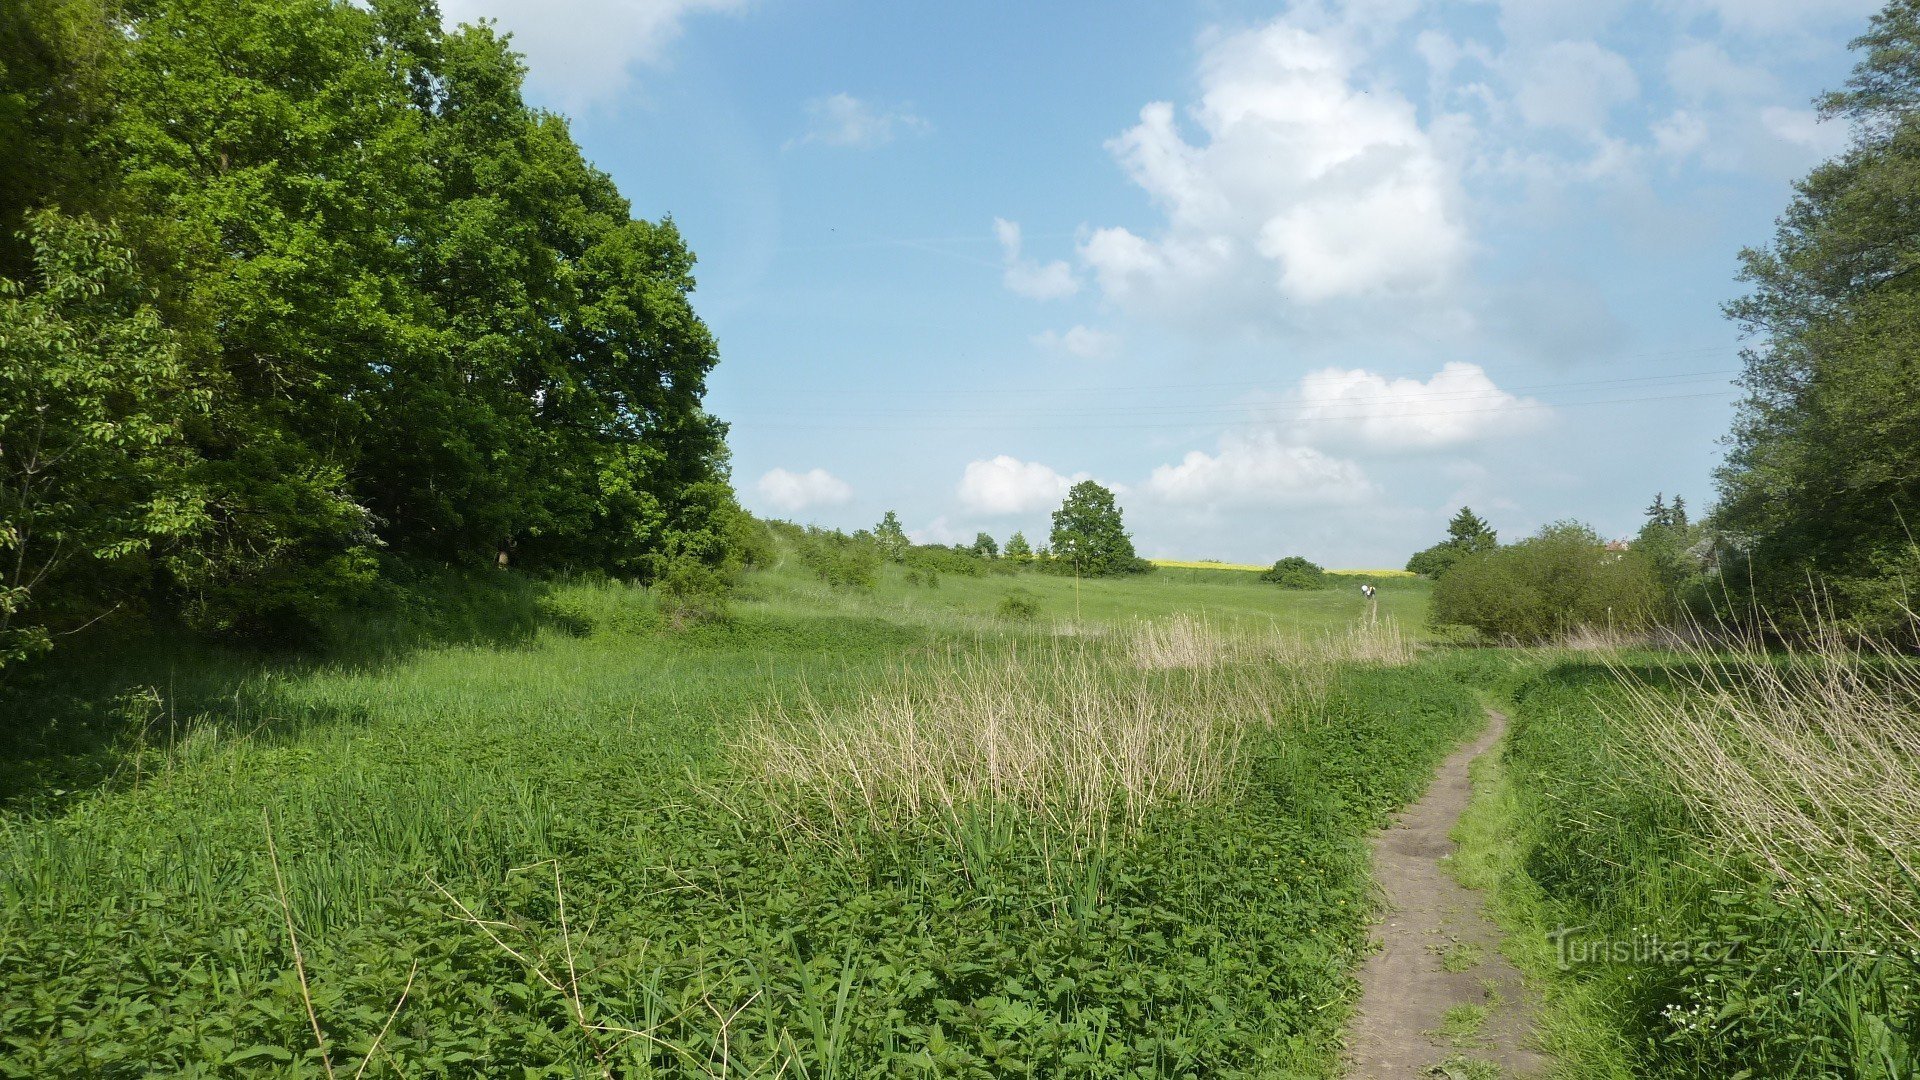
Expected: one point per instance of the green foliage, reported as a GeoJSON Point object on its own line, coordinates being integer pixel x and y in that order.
{"type": "Point", "coordinates": [1817, 483]}
{"type": "Point", "coordinates": [414, 320]}
{"type": "Point", "coordinates": [891, 537]}
{"type": "Point", "coordinates": [1698, 963]}
{"type": "Point", "coordinates": [1467, 534]}
{"type": "Point", "coordinates": [1296, 572]}
{"type": "Point", "coordinates": [1214, 942]}
{"type": "Point", "coordinates": [94, 404]}
{"type": "Point", "coordinates": [944, 560]}
{"type": "Point", "coordinates": [984, 547]}
{"type": "Point", "coordinates": [1018, 549]}
{"type": "Point", "coordinates": [692, 591]}
{"type": "Point", "coordinates": [842, 561]}
{"type": "Point", "coordinates": [1088, 535]}
{"type": "Point", "coordinates": [1541, 588]}
{"type": "Point", "coordinates": [1674, 546]}
{"type": "Point", "coordinates": [1020, 605]}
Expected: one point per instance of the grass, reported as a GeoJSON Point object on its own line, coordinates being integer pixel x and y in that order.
{"type": "Point", "coordinates": [1462, 1026]}
{"type": "Point", "coordinates": [571, 843]}
{"type": "Point", "coordinates": [1647, 838]}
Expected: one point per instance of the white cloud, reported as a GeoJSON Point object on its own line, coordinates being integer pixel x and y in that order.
{"type": "Point", "coordinates": [791, 491]}
{"type": "Point", "coordinates": [1306, 183]}
{"type": "Point", "coordinates": [1007, 485]}
{"type": "Point", "coordinates": [582, 51]}
{"type": "Point", "coordinates": [1082, 341]}
{"type": "Point", "coordinates": [845, 120]}
{"type": "Point", "coordinates": [1573, 85]}
{"type": "Point", "coordinates": [1458, 405]}
{"type": "Point", "coordinates": [1027, 277]}
{"type": "Point", "coordinates": [1259, 470]}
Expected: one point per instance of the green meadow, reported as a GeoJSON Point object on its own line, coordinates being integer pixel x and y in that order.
{"type": "Point", "coordinates": [560, 845]}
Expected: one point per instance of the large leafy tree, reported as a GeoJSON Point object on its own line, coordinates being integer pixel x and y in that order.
{"type": "Point", "coordinates": [1088, 535]}
{"type": "Point", "coordinates": [419, 322]}
{"type": "Point", "coordinates": [1820, 482]}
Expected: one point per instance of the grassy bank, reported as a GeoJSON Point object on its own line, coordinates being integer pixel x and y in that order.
{"type": "Point", "coordinates": [565, 850]}
{"type": "Point", "coordinates": [1633, 835]}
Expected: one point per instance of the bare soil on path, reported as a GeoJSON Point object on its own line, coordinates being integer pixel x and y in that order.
{"type": "Point", "coordinates": [1438, 999]}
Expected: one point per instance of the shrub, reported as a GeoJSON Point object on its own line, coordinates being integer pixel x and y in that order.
{"type": "Point", "coordinates": [692, 592]}
{"type": "Point", "coordinates": [1547, 586]}
{"type": "Point", "coordinates": [842, 561]}
{"type": "Point", "coordinates": [1020, 604]}
{"type": "Point", "coordinates": [1294, 572]}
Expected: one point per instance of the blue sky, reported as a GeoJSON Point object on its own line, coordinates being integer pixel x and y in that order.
{"type": "Point", "coordinates": [1293, 279]}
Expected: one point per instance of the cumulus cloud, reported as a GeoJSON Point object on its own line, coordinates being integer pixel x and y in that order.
{"type": "Point", "coordinates": [845, 120]}
{"type": "Point", "coordinates": [1304, 180]}
{"type": "Point", "coordinates": [1458, 405]}
{"type": "Point", "coordinates": [791, 491]}
{"type": "Point", "coordinates": [1081, 341]}
{"type": "Point", "coordinates": [1006, 485]}
{"type": "Point", "coordinates": [581, 52]}
{"type": "Point", "coordinates": [1027, 277]}
{"type": "Point", "coordinates": [1259, 470]}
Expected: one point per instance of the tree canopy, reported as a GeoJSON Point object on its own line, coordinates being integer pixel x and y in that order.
{"type": "Point", "coordinates": [1819, 482]}
{"type": "Point", "coordinates": [1088, 535]}
{"type": "Point", "coordinates": [1467, 534]}
{"type": "Point", "coordinates": [369, 306]}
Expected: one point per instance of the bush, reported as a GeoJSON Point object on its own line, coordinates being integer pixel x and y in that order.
{"type": "Point", "coordinates": [1019, 605]}
{"type": "Point", "coordinates": [933, 558]}
{"type": "Point", "coordinates": [842, 561]}
{"type": "Point", "coordinates": [1543, 587]}
{"type": "Point", "coordinates": [1294, 572]}
{"type": "Point", "coordinates": [692, 592]}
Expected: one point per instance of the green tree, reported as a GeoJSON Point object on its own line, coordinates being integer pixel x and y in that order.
{"type": "Point", "coordinates": [56, 57]}
{"type": "Point", "coordinates": [891, 537]}
{"type": "Point", "coordinates": [94, 401]}
{"type": "Point", "coordinates": [984, 547]}
{"type": "Point", "coordinates": [1819, 481]}
{"type": "Point", "coordinates": [1018, 549]}
{"type": "Point", "coordinates": [1088, 534]}
{"type": "Point", "coordinates": [1467, 534]}
{"type": "Point", "coordinates": [1670, 544]}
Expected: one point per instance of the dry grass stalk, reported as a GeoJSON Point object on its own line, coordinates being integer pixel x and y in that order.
{"type": "Point", "coordinates": [1059, 732]}
{"type": "Point", "coordinates": [1808, 763]}
{"type": "Point", "coordinates": [1080, 734]}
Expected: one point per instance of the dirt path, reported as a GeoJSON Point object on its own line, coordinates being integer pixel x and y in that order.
{"type": "Point", "coordinates": [1438, 999]}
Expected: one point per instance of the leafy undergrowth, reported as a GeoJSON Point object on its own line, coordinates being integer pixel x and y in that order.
{"type": "Point", "coordinates": [522, 850]}
{"type": "Point", "coordinates": [1688, 953]}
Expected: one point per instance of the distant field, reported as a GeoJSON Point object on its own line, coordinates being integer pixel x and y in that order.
{"type": "Point", "coordinates": [1211, 564]}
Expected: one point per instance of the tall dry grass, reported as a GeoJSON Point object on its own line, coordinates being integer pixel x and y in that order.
{"type": "Point", "coordinates": [1083, 735]}
{"type": "Point", "coordinates": [1805, 762]}
{"type": "Point", "coordinates": [1055, 731]}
